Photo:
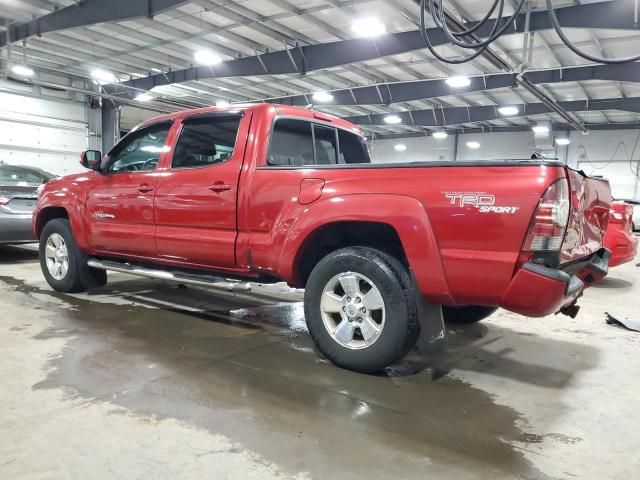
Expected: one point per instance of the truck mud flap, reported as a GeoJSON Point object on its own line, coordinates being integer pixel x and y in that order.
{"type": "Point", "coordinates": [433, 336]}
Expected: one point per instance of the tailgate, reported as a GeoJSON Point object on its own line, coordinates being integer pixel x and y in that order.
{"type": "Point", "coordinates": [590, 203]}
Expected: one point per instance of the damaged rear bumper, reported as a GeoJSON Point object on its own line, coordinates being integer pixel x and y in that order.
{"type": "Point", "coordinates": [537, 291]}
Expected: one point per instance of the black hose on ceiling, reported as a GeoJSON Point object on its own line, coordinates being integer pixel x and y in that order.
{"type": "Point", "coordinates": [502, 23]}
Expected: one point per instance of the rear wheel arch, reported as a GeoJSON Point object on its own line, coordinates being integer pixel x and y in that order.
{"type": "Point", "coordinates": [406, 216]}
{"type": "Point", "coordinates": [346, 233]}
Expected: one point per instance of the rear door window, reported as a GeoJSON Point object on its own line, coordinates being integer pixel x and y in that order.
{"type": "Point", "coordinates": [206, 141]}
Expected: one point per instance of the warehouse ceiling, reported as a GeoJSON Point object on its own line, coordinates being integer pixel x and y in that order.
{"type": "Point", "coordinates": [287, 51]}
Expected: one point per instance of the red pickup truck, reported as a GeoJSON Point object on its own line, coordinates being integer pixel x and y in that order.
{"type": "Point", "coordinates": [271, 193]}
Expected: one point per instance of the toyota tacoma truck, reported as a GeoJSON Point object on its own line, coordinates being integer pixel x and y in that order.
{"type": "Point", "coordinates": [263, 192]}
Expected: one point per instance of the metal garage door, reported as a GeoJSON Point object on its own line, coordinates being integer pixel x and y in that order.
{"type": "Point", "coordinates": [42, 132]}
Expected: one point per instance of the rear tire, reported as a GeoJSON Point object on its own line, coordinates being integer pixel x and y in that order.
{"type": "Point", "coordinates": [466, 314]}
{"type": "Point", "coordinates": [63, 264]}
{"type": "Point", "coordinates": [361, 309]}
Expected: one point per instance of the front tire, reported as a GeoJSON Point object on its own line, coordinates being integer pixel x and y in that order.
{"type": "Point", "coordinates": [63, 264]}
{"type": "Point", "coordinates": [466, 314]}
{"type": "Point", "coordinates": [361, 310]}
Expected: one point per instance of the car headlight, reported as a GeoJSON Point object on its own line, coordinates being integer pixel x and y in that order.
{"type": "Point", "coordinates": [40, 189]}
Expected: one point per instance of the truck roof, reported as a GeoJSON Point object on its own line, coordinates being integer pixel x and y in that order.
{"type": "Point", "coordinates": [262, 108]}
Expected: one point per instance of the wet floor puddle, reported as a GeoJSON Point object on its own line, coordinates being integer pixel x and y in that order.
{"type": "Point", "coordinates": [248, 371]}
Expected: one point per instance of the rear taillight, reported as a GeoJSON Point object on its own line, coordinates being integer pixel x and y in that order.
{"type": "Point", "coordinates": [616, 217]}
{"type": "Point", "coordinates": [4, 200]}
{"type": "Point", "coordinates": [550, 219]}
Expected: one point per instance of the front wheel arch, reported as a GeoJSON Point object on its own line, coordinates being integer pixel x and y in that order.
{"type": "Point", "coordinates": [46, 215]}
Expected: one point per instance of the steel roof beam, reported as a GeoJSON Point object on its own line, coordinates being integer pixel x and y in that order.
{"type": "Point", "coordinates": [510, 129]}
{"type": "Point", "coordinates": [444, 117]}
{"type": "Point", "coordinates": [432, 88]}
{"type": "Point", "coordinates": [87, 12]}
{"type": "Point", "coordinates": [615, 14]}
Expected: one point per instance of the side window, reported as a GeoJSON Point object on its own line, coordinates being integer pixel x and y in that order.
{"type": "Point", "coordinates": [206, 141]}
{"type": "Point", "coordinates": [291, 143]}
{"type": "Point", "coordinates": [140, 150]}
{"type": "Point", "coordinates": [353, 149]}
{"type": "Point", "coordinates": [326, 145]}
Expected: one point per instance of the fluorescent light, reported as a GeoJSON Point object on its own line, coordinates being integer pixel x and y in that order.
{"type": "Point", "coordinates": [540, 129]}
{"type": "Point", "coordinates": [458, 82]}
{"type": "Point", "coordinates": [143, 97]}
{"type": "Point", "coordinates": [473, 145]}
{"type": "Point", "coordinates": [440, 135]}
{"type": "Point", "coordinates": [22, 70]}
{"type": "Point", "coordinates": [563, 141]}
{"type": "Point", "coordinates": [322, 97]}
{"type": "Point", "coordinates": [393, 119]}
{"type": "Point", "coordinates": [222, 103]}
{"type": "Point", "coordinates": [400, 147]}
{"type": "Point", "coordinates": [103, 76]}
{"type": "Point", "coordinates": [207, 57]}
{"type": "Point", "coordinates": [368, 27]}
{"type": "Point", "coordinates": [508, 111]}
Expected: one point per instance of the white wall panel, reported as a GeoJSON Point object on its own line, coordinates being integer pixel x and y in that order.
{"type": "Point", "coordinates": [603, 153]}
{"type": "Point", "coordinates": [419, 149]}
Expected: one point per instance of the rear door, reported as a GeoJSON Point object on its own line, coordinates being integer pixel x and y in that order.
{"type": "Point", "coordinates": [196, 197]}
{"type": "Point", "coordinates": [120, 198]}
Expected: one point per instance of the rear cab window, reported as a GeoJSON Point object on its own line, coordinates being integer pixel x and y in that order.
{"type": "Point", "coordinates": [11, 175]}
{"type": "Point", "coordinates": [300, 143]}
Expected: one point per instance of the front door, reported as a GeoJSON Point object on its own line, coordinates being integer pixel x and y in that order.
{"type": "Point", "coordinates": [196, 197]}
{"type": "Point", "coordinates": [120, 200]}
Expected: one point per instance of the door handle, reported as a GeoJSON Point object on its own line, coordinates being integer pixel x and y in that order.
{"type": "Point", "coordinates": [219, 187]}
{"type": "Point", "coordinates": [144, 188]}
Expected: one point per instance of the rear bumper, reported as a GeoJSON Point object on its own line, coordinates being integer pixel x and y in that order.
{"type": "Point", "coordinates": [537, 291]}
{"type": "Point", "coordinates": [16, 228]}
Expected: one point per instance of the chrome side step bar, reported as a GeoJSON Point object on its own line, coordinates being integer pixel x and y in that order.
{"type": "Point", "coordinates": [203, 280]}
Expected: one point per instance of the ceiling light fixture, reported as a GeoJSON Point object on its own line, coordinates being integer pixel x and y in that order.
{"type": "Point", "coordinates": [458, 82]}
{"type": "Point", "coordinates": [368, 27]}
{"type": "Point", "coordinates": [400, 147]}
{"type": "Point", "coordinates": [393, 119]}
{"type": "Point", "coordinates": [508, 111]}
{"type": "Point", "coordinates": [222, 103]}
{"type": "Point", "coordinates": [22, 70]}
{"type": "Point", "coordinates": [207, 57]}
{"type": "Point", "coordinates": [143, 97]}
{"type": "Point", "coordinates": [322, 97]}
{"type": "Point", "coordinates": [473, 145]}
{"type": "Point", "coordinates": [562, 141]}
{"type": "Point", "coordinates": [541, 129]}
{"type": "Point", "coordinates": [440, 135]}
{"type": "Point", "coordinates": [103, 77]}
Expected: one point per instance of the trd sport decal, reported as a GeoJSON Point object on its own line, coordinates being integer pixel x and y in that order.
{"type": "Point", "coordinates": [484, 202]}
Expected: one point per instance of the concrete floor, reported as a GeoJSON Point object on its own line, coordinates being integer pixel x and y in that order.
{"type": "Point", "coordinates": [145, 379]}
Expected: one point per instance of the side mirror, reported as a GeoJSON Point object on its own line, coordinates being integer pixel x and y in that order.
{"type": "Point", "coordinates": [91, 159]}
